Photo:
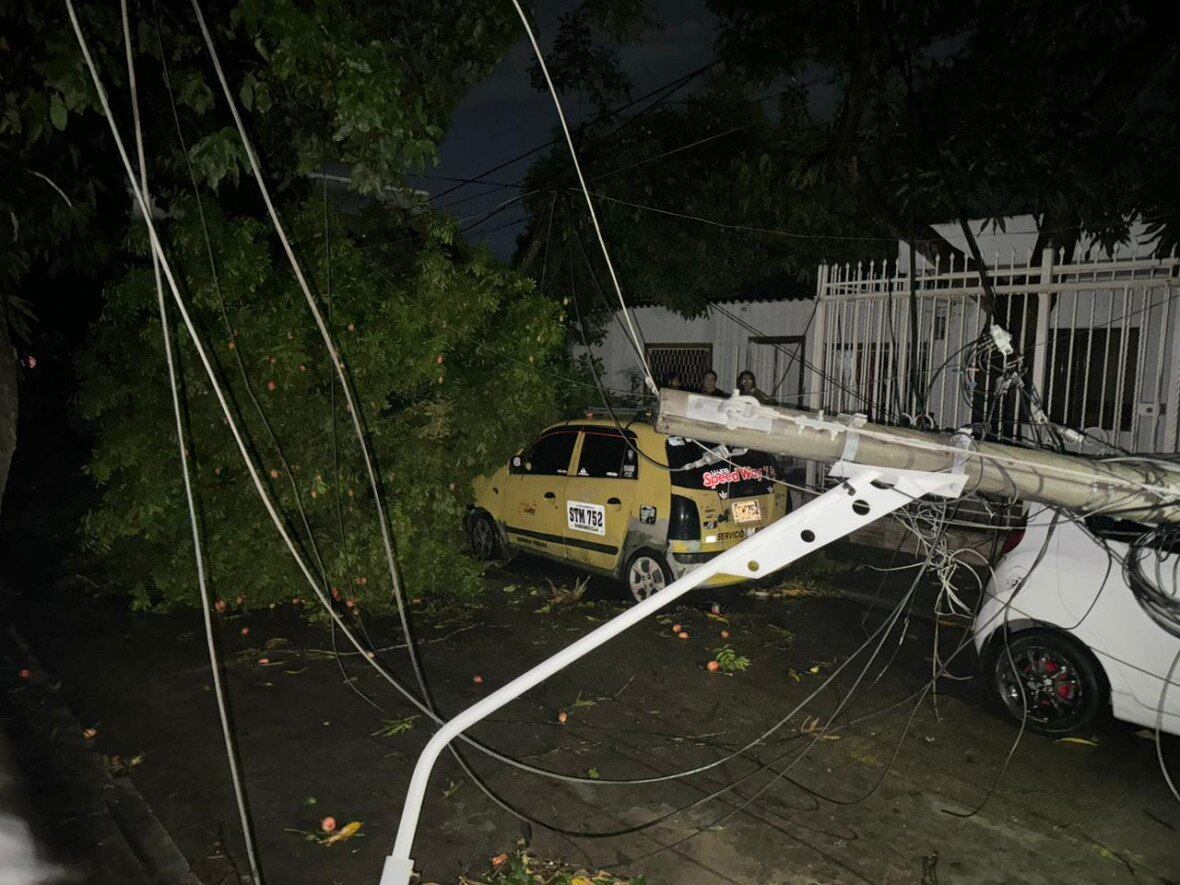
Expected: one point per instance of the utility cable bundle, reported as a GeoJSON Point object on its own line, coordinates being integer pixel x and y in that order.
{"type": "Point", "coordinates": [928, 524]}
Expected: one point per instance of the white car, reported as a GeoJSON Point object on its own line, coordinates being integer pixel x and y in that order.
{"type": "Point", "coordinates": [1082, 643]}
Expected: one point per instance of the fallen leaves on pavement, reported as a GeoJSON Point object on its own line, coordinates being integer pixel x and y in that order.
{"type": "Point", "coordinates": [348, 831]}
{"type": "Point", "coordinates": [1085, 742]}
{"type": "Point", "coordinates": [522, 868]}
{"type": "Point", "coordinates": [394, 727]}
{"type": "Point", "coordinates": [812, 728]}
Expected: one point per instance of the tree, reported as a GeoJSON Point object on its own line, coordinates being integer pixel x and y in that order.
{"type": "Point", "coordinates": [878, 121]}
{"type": "Point", "coordinates": [453, 356]}
{"type": "Point", "coordinates": [449, 351]}
{"type": "Point", "coordinates": [1066, 110]}
{"type": "Point", "coordinates": [697, 203]}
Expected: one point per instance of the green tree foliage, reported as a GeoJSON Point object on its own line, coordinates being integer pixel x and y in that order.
{"type": "Point", "coordinates": [582, 61]}
{"type": "Point", "coordinates": [452, 355]}
{"type": "Point", "coordinates": [1066, 110]}
{"type": "Point", "coordinates": [854, 124]}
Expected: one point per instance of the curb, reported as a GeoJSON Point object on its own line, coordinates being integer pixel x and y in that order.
{"type": "Point", "coordinates": [131, 844]}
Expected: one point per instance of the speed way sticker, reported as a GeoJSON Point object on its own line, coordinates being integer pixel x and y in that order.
{"type": "Point", "coordinates": [585, 517]}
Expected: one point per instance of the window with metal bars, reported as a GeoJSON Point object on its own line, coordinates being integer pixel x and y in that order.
{"type": "Point", "coordinates": [1093, 378]}
{"type": "Point", "coordinates": [689, 361]}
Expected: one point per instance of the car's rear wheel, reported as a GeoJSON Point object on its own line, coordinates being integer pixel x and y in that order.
{"type": "Point", "coordinates": [1048, 680]}
{"type": "Point", "coordinates": [484, 537]}
{"type": "Point", "coordinates": [646, 574]}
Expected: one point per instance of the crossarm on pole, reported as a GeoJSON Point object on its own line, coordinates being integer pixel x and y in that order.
{"type": "Point", "coordinates": [863, 496]}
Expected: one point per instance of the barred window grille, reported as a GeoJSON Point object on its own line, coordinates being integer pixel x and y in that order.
{"type": "Point", "coordinates": [689, 361]}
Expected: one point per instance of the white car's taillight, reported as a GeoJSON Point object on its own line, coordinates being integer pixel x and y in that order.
{"type": "Point", "coordinates": [1012, 540]}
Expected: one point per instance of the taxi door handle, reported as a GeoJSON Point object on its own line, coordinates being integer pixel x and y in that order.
{"type": "Point", "coordinates": [614, 502]}
{"type": "Point", "coordinates": [550, 496]}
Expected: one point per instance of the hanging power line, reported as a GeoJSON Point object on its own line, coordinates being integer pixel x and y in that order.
{"type": "Point", "coordinates": [651, 381]}
{"type": "Point", "coordinates": [675, 84]}
{"type": "Point", "coordinates": [231, 749]}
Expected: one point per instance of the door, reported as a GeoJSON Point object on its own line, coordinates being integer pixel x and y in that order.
{"type": "Point", "coordinates": [535, 493]}
{"type": "Point", "coordinates": [600, 497]}
{"type": "Point", "coordinates": [777, 363]}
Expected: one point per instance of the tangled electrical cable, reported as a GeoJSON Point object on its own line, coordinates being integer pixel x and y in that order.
{"type": "Point", "coordinates": [943, 562]}
{"type": "Point", "coordinates": [1159, 544]}
{"type": "Point", "coordinates": [315, 585]}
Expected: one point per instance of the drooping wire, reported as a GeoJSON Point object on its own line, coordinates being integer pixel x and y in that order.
{"type": "Point", "coordinates": [673, 85]}
{"type": "Point", "coordinates": [426, 703]}
{"type": "Point", "coordinates": [651, 381]}
{"type": "Point", "coordinates": [215, 280]}
{"type": "Point", "coordinates": [231, 749]}
{"type": "Point", "coordinates": [159, 252]}
{"type": "Point", "coordinates": [1006, 636]}
{"type": "Point", "coordinates": [1159, 726]}
{"type": "Point", "coordinates": [425, 708]}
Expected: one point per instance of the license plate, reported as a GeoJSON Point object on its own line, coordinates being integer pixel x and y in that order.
{"type": "Point", "coordinates": [747, 511]}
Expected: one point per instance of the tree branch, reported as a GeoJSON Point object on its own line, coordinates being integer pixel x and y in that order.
{"type": "Point", "coordinates": [1129, 73]}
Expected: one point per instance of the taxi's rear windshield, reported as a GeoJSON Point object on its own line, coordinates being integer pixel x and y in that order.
{"type": "Point", "coordinates": [733, 473]}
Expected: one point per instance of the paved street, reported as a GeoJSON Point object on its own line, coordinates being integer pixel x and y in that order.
{"type": "Point", "coordinates": [856, 804]}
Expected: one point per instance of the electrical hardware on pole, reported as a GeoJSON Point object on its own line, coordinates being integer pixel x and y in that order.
{"type": "Point", "coordinates": [1147, 490]}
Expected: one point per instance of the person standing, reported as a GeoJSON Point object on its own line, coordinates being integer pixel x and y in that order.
{"type": "Point", "coordinates": [709, 385]}
{"type": "Point", "coordinates": [747, 385]}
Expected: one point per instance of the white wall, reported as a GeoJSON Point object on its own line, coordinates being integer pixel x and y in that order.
{"type": "Point", "coordinates": [729, 336]}
{"type": "Point", "coordinates": [1017, 238]}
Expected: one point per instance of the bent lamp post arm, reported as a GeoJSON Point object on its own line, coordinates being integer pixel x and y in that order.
{"type": "Point", "coordinates": [865, 495]}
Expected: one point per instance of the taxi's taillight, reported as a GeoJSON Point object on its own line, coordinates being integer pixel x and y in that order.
{"type": "Point", "coordinates": [684, 523]}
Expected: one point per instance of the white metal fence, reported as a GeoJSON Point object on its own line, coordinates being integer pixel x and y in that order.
{"type": "Point", "coordinates": [1103, 335]}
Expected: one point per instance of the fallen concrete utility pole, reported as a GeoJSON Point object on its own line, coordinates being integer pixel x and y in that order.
{"type": "Point", "coordinates": [1144, 490]}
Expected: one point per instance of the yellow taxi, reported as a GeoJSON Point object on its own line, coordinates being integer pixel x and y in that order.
{"type": "Point", "coordinates": [624, 500]}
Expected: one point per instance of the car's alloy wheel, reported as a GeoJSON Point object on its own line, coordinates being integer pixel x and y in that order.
{"type": "Point", "coordinates": [482, 536]}
{"type": "Point", "coordinates": [646, 575]}
{"type": "Point", "coordinates": [1048, 679]}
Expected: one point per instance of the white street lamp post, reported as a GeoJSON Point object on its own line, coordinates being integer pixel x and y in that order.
{"type": "Point", "coordinates": [866, 494]}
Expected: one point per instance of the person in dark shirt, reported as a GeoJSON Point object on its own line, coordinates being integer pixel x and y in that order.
{"type": "Point", "coordinates": [673, 380]}
{"type": "Point", "coordinates": [748, 386]}
{"type": "Point", "coordinates": [709, 385]}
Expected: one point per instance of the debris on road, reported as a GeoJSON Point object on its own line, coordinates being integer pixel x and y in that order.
{"type": "Point", "coordinates": [394, 727]}
{"type": "Point", "coordinates": [347, 832]}
{"type": "Point", "coordinates": [521, 867]}
{"type": "Point", "coordinates": [1081, 741]}
{"type": "Point", "coordinates": [729, 661]}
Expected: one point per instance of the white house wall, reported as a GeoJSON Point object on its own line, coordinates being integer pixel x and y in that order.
{"type": "Point", "coordinates": [1015, 242]}
{"type": "Point", "coordinates": [728, 328]}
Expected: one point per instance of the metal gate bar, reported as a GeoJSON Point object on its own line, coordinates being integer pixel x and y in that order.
{"type": "Point", "coordinates": [1088, 362]}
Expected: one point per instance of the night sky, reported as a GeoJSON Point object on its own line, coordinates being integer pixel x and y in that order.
{"type": "Point", "coordinates": [504, 116]}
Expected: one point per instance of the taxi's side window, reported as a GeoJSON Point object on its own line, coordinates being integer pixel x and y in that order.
{"type": "Point", "coordinates": [607, 455]}
{"type": "Point", "coordinates": [548, 456]}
